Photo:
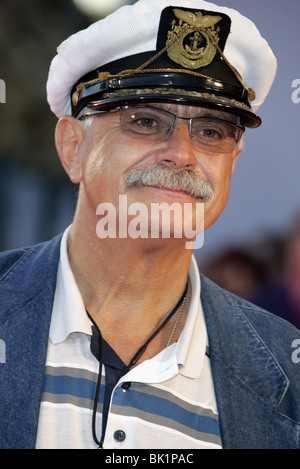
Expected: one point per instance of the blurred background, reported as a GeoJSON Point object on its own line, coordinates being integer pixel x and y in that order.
{"type": "Point", "coordinates": [254, 248]}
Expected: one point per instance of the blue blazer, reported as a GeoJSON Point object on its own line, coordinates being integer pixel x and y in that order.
{"type": "Point", "coordinates": [256, 375]}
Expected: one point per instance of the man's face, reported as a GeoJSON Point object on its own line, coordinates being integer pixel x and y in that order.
{"type": "Point", "coordinates": [109, 154]}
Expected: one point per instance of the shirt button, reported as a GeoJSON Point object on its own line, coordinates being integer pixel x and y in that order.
{"type": "Point", "coordinates": [126, 386]}
{"type": "Point", "coordinates": [119, 436]}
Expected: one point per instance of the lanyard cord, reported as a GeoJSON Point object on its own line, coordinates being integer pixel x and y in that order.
{"type": "Point", "coordinates": [95, 406]}
{"type": "Point", "coordinates": [132, 362]}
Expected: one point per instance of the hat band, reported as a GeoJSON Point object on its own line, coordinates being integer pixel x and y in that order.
{"type": "Point", "coordinates": [86, 92]}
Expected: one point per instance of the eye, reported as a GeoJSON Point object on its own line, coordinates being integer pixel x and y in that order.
{"type": "Point", "coordinates": [142, 121]}
{"type": "Point", "coordinates": [213, 130]}
{"type": "Point", "coordinates": [210, 133]}
{"type": "Point", "coordinates": [146, 122]}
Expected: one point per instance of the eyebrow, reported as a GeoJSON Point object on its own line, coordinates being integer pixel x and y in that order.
{"type": "Point", "coordinates": [206, 112]}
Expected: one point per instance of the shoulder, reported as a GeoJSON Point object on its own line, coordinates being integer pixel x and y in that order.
{"type": "Point", "coordinates": [25, 273]}
{"type": "Point", "coordinates": [215, 295]}
{"type": "Point", "coordinates": [10, 259]}
{"type": "Point", "coordinates": [16, 259]}
{"type": "Point", "coordinates": [237, 319]}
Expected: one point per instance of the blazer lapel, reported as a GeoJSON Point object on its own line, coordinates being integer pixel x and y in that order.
{"type": "Point", "coordinates": [249, 383]}
{"type": "Point", "coordinates": [27, 292]}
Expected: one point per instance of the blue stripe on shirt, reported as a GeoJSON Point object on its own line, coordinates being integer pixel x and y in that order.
{"type": "Point", "coordinates": [135, 400]}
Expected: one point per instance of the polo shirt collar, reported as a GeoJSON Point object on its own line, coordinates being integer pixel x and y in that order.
{"type": "Point", "coordinates": [186, 356]}
{"type": "Point", "coordinates": [69, 314]}
{"type": "Point", "coordinates": [192, 343]}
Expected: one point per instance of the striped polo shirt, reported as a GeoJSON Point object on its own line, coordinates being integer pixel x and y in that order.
{"type": "Point", "coordinates": [166, 402]}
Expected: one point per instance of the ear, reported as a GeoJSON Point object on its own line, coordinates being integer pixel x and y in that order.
{"type": "Point", "coordinates": [235, 157]}
{"type": "Point", "coordinates": [69, 136]}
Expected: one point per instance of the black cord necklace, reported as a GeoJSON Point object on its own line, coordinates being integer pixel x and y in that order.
{"type": "Point", "coordinates": [132, 362]}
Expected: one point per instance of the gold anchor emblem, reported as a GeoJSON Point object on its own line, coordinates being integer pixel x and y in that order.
{"type": "Point", "coordinates": [192, 40]}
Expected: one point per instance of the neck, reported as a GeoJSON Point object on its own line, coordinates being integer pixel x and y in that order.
{"type": "Point", "coordinates": [124, 277]}
{"type": "Point", "coordinates": [129, 286]}
{"type": "Point", "coordinates": [127, 276]}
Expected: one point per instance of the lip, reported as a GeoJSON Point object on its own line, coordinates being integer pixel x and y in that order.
{"type": "Point", "coordinates": [174, 192]}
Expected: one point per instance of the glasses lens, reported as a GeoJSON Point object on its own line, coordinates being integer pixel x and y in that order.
{"type": "Point", "coordinates": [153, 124]}
{"type": "Point", "coordinates": [215, 134]}
{"type": "Point", "coordinates": [146, 122]}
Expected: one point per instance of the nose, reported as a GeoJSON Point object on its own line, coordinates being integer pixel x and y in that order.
{"type": "Point", "coordinates": [177, 150]}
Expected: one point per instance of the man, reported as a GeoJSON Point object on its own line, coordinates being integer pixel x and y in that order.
{"type": "Point", "coordinates": [112, 339]}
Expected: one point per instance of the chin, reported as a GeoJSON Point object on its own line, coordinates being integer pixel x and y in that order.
{"type": "Point", "coordinates": [212, 213]}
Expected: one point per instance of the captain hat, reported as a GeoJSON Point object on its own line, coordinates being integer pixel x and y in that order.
{"type": "Point", "coordinates": [182, 51]}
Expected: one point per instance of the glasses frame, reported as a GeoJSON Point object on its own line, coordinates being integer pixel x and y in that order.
{"type": "Point", "coordinates": [237, 125]}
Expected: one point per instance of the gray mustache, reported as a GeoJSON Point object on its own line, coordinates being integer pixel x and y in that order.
{"type": "Point", "coordinates": [163, 176]}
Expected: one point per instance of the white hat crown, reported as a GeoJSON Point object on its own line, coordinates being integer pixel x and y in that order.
{"type": "Point", "coordinates": [133, 30]}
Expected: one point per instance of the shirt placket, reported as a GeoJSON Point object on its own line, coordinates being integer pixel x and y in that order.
{"type": "Point", "coordinates": [126, 399]}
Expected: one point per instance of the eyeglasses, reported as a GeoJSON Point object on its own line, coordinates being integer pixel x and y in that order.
{"type": "Point", "coordinates": [156, 125]}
